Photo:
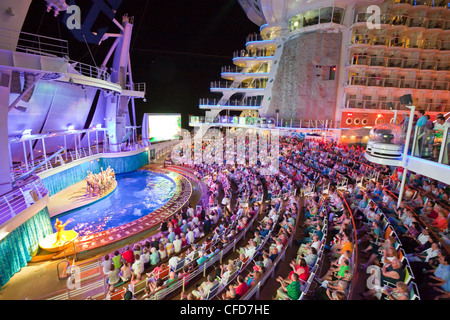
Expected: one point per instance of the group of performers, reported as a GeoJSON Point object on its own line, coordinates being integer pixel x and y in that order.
{"type": "Point", "coordinates": [100, 183]}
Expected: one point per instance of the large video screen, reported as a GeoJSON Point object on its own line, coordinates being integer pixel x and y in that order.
{"type": "Point", "coordinates": [163, 127]}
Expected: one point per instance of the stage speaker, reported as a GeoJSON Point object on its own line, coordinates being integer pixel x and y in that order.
{"type": "Point", "coordinates": [406, 99]}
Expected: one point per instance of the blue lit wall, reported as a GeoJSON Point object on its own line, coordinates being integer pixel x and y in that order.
{"type": "Point", "coordinates": [17, 248]}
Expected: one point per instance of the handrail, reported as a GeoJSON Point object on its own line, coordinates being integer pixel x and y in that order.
{"type": "Point", "coordinates": [262, 122]}
{"type": "Point", "coordinates": [90, 71]}
{"type": "Point", "coordinates": [392, 41]}
{"type": "Point", "coordinates": [20, 198]}
{"type": "Point", "coordinates": [34, 43]}
{"type": "Point", "coordinates": [404, 19]}
{"type": "Point", "coordinates": [355, 257]}
{"type": "Point", "coordinates": [57, 268]}
{"type": "Point", "coordinates": [405, 63]}
{"type": "Point", "coordinates": [396, 105]}
{"type": "Point", "coordinates": [397, 82]}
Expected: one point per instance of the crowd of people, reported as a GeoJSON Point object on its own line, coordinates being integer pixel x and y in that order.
{"type": "Point", "coordinates": [337, 162]}
{"type": "Point", "coordinates": [179, 237]}
{"type": "Point", "coordinates": [329, 228]}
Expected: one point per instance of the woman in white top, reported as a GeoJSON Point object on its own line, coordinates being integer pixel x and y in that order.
{"type": "Point", "coordinates": [162, 251]}
{"type": "Point", "coordinates": [106, 264]}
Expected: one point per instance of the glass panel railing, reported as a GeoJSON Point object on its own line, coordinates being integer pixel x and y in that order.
{"type": "Point", "coordinates": [436, 24]}
{"type": "Point", "coordinates": [443, 66]}
{"type": "Point", "coordinates": [377, 61]}
{"type": "Point", "coordinates": [430, 44]}
{"type": "Point", "coordinates": [397, 41]}
{"type": "Point", "coordinates": [444, 152]}
{"type": "Point", "coordinates": [386, 81]}
{"type": "Point", "coordinates": [399, 20]}
{"type": "Point", "coordinates": [264, 52]}
{"type": "Point", "coordinates": [394, 105]}
{"type": "Point", "coordinates": [440, 85]}
{"type": "Point", "coordinates": [412, 64]}
{"type": "Point", "coordinates": [417, 22]}
{"type": "Point", "coordinates": [430, 141]}
{"type": "Point", "coordinates": [379, 40]}
{"type": "Point", "coordinates": [408, 83]}
{"type": "Point", "coordinates": [444, 45]}
{"type": "Point", "coordinates": [431, 3]}
{"type": "Point", "coordinates": [424, 84]}
{"type": "Point", "coordinates": [395, 62]}
{"type": "Point", "coordinates": [361, 38]}
{"type": "Point", "coordinates": [326, 15]}
{"type": "Point", "coordinates": [429, 65]}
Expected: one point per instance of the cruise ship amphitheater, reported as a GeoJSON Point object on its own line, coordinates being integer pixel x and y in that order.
{"type": "Point", "coordinates": [317, 169]}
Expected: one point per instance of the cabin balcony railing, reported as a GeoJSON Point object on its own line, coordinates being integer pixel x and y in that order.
{"type": "Point", "coordinates": [399, 42]}
{"type": "Point", "coordinates": [394, 105]}
{"type": "Point", "coordinates": [430, 3]}
{"type": "Point", "coordinates": [398, 83]}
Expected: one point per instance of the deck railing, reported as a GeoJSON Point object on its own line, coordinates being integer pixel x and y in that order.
{"type": "Point", "coordinates": [20, 198]}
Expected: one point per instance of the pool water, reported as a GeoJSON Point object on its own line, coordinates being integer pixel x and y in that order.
{"type": "Point", "coordinates": [138, 193]}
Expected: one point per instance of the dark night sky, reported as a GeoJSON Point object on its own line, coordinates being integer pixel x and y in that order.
{"type": "Point", "coordinates": [178, 46]}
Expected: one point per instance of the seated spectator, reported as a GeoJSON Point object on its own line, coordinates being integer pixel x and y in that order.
{"type": "Point", "coordinates": [290, 289]}
{"type": "Point", "coordinates": [113, 277]}
{"type": "Point", "coordinates": [328, 289]}
{"type": "Point", "coordinates": [423, 260]}
{"type": "Point", "coordinates": [172, 279]}
{"type": "Point", "coordinates": [440, 279]}
{"type": "Point", "coordinates": [154, 257]}
{"type": "Point", "coordinates": [441, 222]}
{"type": "Point", "coordinates": [128, 255]}
{"type": "Point", "coordinates": [241, 287]}
{"type": "Point", "coordinates": [126, 272]}
{"type": "Point", "coordinates": [224, 272]}
{"type": "Point", "coordinates": [106, 264]}
{"type": "Point", "coordinates": [162, 251]}
{"type": "Point", "coordinates": [173, 262]}
{"type": "Point", "coordinates": [177, 244]}
{"type": "Point", "coordinates": [254, 276]}
{"type": "Point", "coordinates": [301, 269]}
{"type": "Point", "coordinates": [117, 260]}
{"type": "Point", "coordinates": [145, 257]}
{"type": "Point", "coordinates": [138, 267]}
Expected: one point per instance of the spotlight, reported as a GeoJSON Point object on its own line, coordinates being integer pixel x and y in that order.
{"type": "Point", "coordinates": [21, 108]}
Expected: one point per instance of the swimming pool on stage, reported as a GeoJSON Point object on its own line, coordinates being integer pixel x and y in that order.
{"type": "Point", "coordinates": [138, 193]}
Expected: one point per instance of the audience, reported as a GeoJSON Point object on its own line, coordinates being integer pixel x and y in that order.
{"type": "Point", "coordinates": [326, 172]}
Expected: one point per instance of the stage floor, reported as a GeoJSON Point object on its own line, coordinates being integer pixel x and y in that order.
{"type": "Point", "coordinates": [73, 197]}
